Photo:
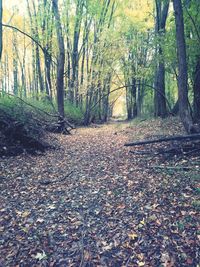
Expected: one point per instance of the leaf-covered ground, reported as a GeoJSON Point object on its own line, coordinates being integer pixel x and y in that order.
{"type": "Point", "coordinates": [93, 203]}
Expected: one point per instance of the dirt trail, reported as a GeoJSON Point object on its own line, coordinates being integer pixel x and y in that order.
{"type": "Point", "coordinates": [107, 212]}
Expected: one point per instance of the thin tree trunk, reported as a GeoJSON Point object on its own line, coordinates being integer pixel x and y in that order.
{"type": "Point", "coordinates": [15, 66]}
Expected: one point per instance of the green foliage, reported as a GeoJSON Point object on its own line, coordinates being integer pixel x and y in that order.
{"type": "Point", "coordinates": [21, 127]}
{"type": "Point", "coordinates": [23, 111]}
{"type": "Point", "coordinates": [73, 113]}
{"type": "Point", "coordinates": [13, 109]}
{"type": "Point", "coordinates": [24, 122]}
{"type": "Point", "coordinates": [114, 39]}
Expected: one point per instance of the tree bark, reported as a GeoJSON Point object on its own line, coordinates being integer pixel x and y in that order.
{"type": "Point", "coordinates": [184, 110]}
{"type": "Point", "coordinates": [75, 52]}
{"type": "Point", "coordinates": [61, 61]}
{"type": "Point", "coordinates": [15, 65]}
{"type": "Point", "coordinates": [197, 92]}
{"type": "Point", "coordinates": [166, 139]}
{"type": "Point", "coordinates": [159, 98]}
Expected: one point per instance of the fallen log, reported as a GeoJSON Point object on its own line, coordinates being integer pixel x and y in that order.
{"type": "Point", "coordinates": [166, 139]}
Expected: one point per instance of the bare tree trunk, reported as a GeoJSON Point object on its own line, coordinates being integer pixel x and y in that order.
{"type": "Point", "coordinates": [105, 100]}
{"type": "Point", "coordinates": [197, 92]}
{"type": "Point", "coordinates": [35, 32]}
{"type": "Point", "coordinates": [34, 76]}
{"type": "Point", "coordinates": [47, 30]}
{"type": "Point", "coordinates": [184, 110]}
{"type": "Point", "coordinates": [68, 59]}
{"type": "Point", "coordinates": [75, 52]}
{"type": "Point", "coordinates": [15, 66]}
{"type": "Point", "coordinates": [61, 61]}
{"type": "Point", "coordinates": [159, 95]}
{"type": "Point", "coordinates": [39, 71]}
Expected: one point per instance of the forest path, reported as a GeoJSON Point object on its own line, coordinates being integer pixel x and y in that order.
{"type": "Point", "coordinates": [110, 211]}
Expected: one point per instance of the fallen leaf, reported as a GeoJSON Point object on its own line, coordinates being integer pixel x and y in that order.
{"type": "Point", "coordinates": [25, 213]}
{"type": "Point", "coordinates": [133, 236]}
{"type": "Point", "coordinates": [141, 263]}
{"type": "Point", "coordinates": [40, 256]}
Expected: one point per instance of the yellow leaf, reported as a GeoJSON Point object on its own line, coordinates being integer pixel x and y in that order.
{"type": "Point", "coordinates": [141, 263]}
{"type": "Point", "coordinates": [142, 222]}
{"type": "Point", "coordinates": [133, 236]}
{"type": "Point", "coordinates": [25, 213]}
{"type": "Point", "coordinates": [140, 256]}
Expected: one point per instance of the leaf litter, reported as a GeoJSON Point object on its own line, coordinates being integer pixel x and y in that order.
{"type": "Point", "coordinates": [111, 210]}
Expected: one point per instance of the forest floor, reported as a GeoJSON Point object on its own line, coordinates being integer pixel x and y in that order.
{"type": "Point", "coordinates": [91, 202]}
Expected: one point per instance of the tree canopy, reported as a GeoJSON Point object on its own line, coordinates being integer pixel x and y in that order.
{"type": "Point", "coordinates": [103, 45]}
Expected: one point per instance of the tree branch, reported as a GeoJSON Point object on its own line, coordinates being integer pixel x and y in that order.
{"type": "Point", "coordinates": [166, 139]}
{"type": "Point", "coordinates": [27, 35]}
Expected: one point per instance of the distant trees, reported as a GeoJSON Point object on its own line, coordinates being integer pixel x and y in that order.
{"type": "Point", "coordinates": [76, 53]}
{"type": "Point", "coordinates": [133, 63]}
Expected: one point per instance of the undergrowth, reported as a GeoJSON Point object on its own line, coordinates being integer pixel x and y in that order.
{"type": "Point", "coordinates": [24, 123]}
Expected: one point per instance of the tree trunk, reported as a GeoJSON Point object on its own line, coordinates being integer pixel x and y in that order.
{"type": "Point", "coordinates": [15, 65]}
{"type": "Point", "coordinates": [197, 92]}
{"type": "Point", "coordinates": [134, 98]}
{"type": "Point", "coordinates": [48, 75]}
{"type": "Point", "coordinates": [184, 110]}
{"type": "Point", "coordinates": [39, 71]}
{"type": "Point", "coordinates": [75, 52]}
{"type": "Point", "coordinates": [159, 95]}
{"type": "Point", "coordinates": [61, 61]}
{"type": "Point", "coordinates": [175, 109]}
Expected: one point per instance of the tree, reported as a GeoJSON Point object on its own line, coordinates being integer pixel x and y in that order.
{"type": "Point", "coordinates": [61, 60]}
{"type": "Point", "coordinates": [197, 92]}
{"type": "Point", "coordinates": [159, 94]}
{"type": "Point", "coordinates": [89, 47]}
{"type": "Point", "coordinates": [75, 52]}
{"type": "Point", "coordinates": [184, 110]}
{"type": "Point", "coordinates": [192, 12]}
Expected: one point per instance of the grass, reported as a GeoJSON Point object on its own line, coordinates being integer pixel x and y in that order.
{"type": "Point", "coordinates": [74, 113]}
{"type": "Point", "coordinates": [18, 109]}
{"type": "Point", "coordinates": [24, 123]}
